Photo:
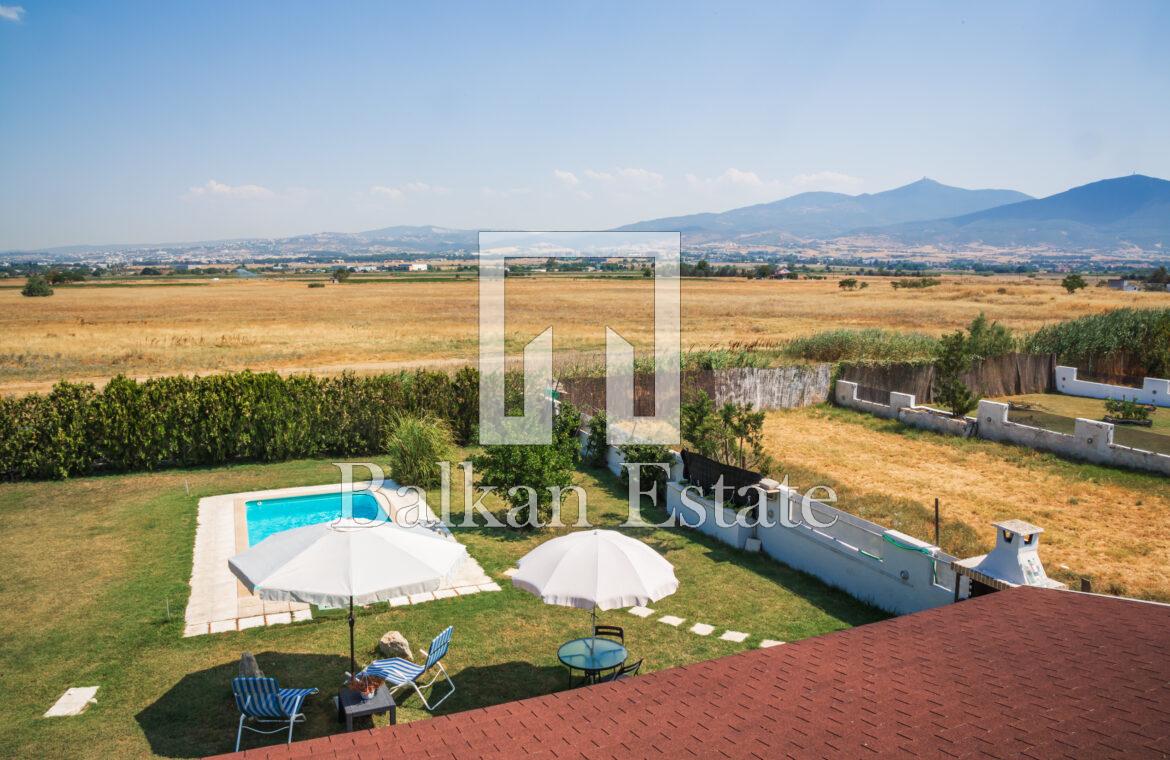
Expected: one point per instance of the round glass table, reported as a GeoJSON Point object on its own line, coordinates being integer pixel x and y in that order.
{"type": "Point", "coordinates": [591, 655]}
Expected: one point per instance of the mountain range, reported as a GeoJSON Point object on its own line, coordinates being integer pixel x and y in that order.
{"type": "Point", "coordinates": [1123, 213]}
{"type": "Point", "coordinates": [821, 215]}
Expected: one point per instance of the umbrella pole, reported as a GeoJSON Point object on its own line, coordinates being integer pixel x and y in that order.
{"type": "Point", "coordinates": [352, 661]}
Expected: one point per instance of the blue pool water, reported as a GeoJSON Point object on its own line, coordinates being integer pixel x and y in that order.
{"type": "Point", "coordinates": [268, 516]}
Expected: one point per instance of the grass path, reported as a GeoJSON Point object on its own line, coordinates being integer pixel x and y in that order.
{"type": "Point", "coordinates": [1109, 524]}
{"type": "Point", "coordinates": [90, 566]}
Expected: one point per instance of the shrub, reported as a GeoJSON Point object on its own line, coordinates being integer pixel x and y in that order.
{"type": "Point", "coordinates": [1125, 409]}
{"type": "Point", "coordinates": [525, 473]}
{"type": "Point", "coordinates": [596, 446]}
{"type": "Point", "coordinates": [36, 286]}
{"type": "Point", "coordinates": [414, 447]}
{"type": "Point", "coordinates": [1073, 282]}
{"type": "Point", "coordinates": [648, 456]}
{"type": "Point", "coordinates": [916, 283]}
{"type": "Point", "coordinates": [316, 284]}
{"type": "Point", "coordinates": [849, 283]}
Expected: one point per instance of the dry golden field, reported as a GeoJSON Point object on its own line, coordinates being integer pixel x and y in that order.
{"type": "Point", "coordinates": [1110, 525]}
{"type": "Point", "coordinates": [91, 332]}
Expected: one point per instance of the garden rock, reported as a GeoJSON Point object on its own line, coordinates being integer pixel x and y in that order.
{"type": "Point", "coordinates": [394, 644]}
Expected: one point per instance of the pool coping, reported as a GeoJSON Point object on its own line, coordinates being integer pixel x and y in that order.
{"type": "Point", "coordinates": [219, 603]}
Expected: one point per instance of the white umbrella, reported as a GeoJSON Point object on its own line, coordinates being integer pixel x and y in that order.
{"type": "Point", "coordinates": [595, 569]}
{"type": "Point", "coordinates": [347, 561]}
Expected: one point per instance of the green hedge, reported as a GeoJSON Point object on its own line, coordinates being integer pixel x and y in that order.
{"type": "Point", "coordinates": [241, 417]}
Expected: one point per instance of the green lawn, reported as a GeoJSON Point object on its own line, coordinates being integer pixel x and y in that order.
{"type": "Point", "coordinates": [1058, 412]}
{"type": "Point", "coordinates": [92, 564]}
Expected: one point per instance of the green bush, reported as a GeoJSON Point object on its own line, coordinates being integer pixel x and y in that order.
{"type": "Point", "coordinates": [1125, 409]}
{"type": "Point", "coordinates": [36, 286]}
{"type": "Point", "coordinates": [414, 447]}
{"type": "Point", "coordinates": [236, 417]}
{"type": "Point", "coordinates": [732, 434]}
{"type": "Point", "coordinates": [596, 446]}
{"type": "Point", "coordinates": [915, 283]}
{"type": "Point", "coordinates": [649, 456]}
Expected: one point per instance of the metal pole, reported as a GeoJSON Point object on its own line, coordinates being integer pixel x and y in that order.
{"type": "Point", "coordinates": [937, 539]}
{"type": "Point", "coordinates": [352, 661]}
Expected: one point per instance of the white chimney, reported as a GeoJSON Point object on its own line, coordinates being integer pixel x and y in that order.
{"type": "Point", "coordinates": [1015, 560]}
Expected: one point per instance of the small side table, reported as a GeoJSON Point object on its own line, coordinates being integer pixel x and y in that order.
{"type": "Point", "coordinates": [351, 705]}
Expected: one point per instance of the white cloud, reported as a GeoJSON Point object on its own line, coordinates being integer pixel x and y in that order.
{"type": "Point", "coordinates": [740, 185]}
{"type": "Point", "coordinates": [214, 189]}
{"type": "Point", "coordinates": [567, 178]}
{"type": "Point", "coordinates": [401, 192]}
{"type": "Point", "coordinates": [827, 181]}
{"type": "Point", "coordinates": [12, 13]}
{"type": "Point", "coordinates": [629, 178]}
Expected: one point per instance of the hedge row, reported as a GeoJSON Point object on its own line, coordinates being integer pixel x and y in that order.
{"type": "Point", "coordinates": [188, 421]}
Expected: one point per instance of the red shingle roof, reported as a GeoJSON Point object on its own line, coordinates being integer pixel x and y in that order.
{"type": "Point", "coordinates": [1026, 672]}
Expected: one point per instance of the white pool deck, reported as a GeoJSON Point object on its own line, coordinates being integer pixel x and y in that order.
{"type": "Point", "coordinates": [220, 603]}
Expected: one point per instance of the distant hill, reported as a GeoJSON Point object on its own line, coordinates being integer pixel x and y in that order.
{"type": "Point", "coordinates": [823, 215]}
{"type": "Point", "coordinates": [1111, 213]}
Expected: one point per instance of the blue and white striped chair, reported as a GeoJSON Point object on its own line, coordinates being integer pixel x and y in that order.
{"type": "Point", "coordinates": [263, 701]}
{"type": "Point", "coordinates": [401, 673]}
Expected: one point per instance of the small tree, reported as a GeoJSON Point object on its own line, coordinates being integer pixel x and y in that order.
{"type": "Point", "coordinates": [36, 286]}
{"type": "Point", "coordinates": [1073, 282]}
{"type": "Point", "coordinates": [526, 473]}
{"type": "Point", "coordinates": [949, 389]}
{"type": "Point", "coordinates": [340, 274]}
{"type": "Point", "coordinates": [849, 283]}
{"type": "Point", "coordinates": [732, 434]}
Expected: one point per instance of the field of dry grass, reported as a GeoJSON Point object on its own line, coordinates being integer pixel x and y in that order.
{"type": "Point", "coordinates": [91, 332]}
{"type": "Point", "coordinates": [1110, 525]}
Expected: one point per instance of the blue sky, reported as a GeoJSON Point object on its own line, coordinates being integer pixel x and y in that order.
{"type": "Point", "coordinates": [161, 121]}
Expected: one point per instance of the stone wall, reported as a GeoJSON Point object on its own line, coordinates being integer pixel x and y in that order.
{"type": "Point", "coordinates": [1154, 390]}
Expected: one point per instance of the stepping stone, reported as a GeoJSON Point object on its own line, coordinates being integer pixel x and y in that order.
{"type": "Point", "coordinates": [223, 626]}
{"type": "Point", "coordinates": [425, 596]}
{"type": "Point", "coordinates": [399, 601]}
{"type": "Point", "coordinates": [467, 590]}
{"type": "Point", "coordinates": [445, 593]}
{"type": "Point", "coordinates": [671, 620]}
{"type": "Point", "coordinates": [702, 629]}
{"type": "Point", "coordinates": [195, 629]}
{"type": "Point", "coordinates": [73, 702]}
{"type": "Point", "coordinates": [511, 571]}
{"type": "Point", "coordinates": [737, 636]}
{"type": "Point", "coordinates": [251, 622]}
{"type": "Point", "coordinates": [768, 643]}
{"type": "Point", "coordinates": [305, 614]}
{"type": "Point", "coordinates": [279, 618]}
{"type": "Point", "coordinates": [490, 587]}
{"type": "Point", "coordinates": [641, 612]}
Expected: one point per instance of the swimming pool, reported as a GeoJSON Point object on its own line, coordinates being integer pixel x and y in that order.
{"type": "Point", "coordinates": [268, 516]}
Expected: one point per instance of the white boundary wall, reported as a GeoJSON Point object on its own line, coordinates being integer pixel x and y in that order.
{"type": "Point", "coordinates": [854, 555]}
{"type": "Point", "coordinates": [1154, 390]}
{"type": "Point", "coordinates": [904, 408]}
{"type": "Point", "coordinates": [1091, 440]}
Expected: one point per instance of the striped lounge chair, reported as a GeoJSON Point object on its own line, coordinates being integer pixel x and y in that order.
{"type": "Point", "coordinates": [401, 673]}
{"type": "Point", "coordinates": [263, 701]}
